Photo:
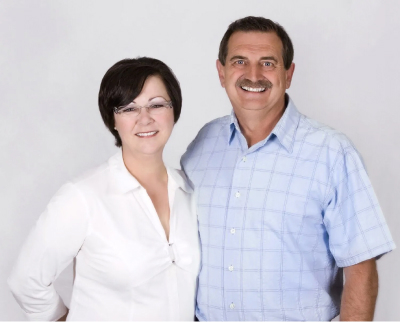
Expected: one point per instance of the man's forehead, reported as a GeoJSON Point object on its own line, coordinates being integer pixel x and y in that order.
{"type": "Point", "coordinates": [254, 41]}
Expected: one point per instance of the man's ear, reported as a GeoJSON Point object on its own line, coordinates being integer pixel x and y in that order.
{"type": "Point", "coordinates": [221, 73]}
{"type": "Point", "coordinates": [289, 75]}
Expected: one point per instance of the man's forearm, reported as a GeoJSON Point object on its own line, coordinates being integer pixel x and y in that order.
{"type": "Point", "coordinates": [360, 292]}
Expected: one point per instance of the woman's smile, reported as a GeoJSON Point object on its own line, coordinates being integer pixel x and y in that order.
{"type": "Point", "coordinates": [146, 134]}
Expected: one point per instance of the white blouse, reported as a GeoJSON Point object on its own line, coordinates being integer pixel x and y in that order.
{"type": "Point", "coordinates": [126, 269]}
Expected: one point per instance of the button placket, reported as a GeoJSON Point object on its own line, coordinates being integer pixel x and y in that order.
{"type": "Point", "coordinates": [171, 253]}
{"type": "Point", "coordinates": [236, 201]}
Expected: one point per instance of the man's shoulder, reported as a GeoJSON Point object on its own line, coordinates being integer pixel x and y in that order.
{"type": "Point", "coordinates": [210, 131]}
{"type": "Point", "coordinates": [213, 129]}
{"type": "Point", "coordinates": [324, 134]}
{"type": "Point", "coordinates": [217, 123]}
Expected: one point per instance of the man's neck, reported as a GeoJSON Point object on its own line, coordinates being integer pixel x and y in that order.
{"type": "Point", "coordinates": [257, 125]}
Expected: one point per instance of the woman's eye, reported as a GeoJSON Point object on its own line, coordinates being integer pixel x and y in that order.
{"type": "Point", "coordinates": [129, 109]}
{"type": "Point", "coordinates": [156, 105]}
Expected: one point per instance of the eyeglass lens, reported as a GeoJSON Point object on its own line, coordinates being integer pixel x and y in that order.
{"type": "Point", "coordinates": [152, 108]}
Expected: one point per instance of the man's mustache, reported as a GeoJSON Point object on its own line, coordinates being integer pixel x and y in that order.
{"type": "Point", "coordinates": [262, 83]}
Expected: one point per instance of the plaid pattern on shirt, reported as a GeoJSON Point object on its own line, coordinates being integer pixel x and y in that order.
{"type": "Point", "coordinates": [280, 219]}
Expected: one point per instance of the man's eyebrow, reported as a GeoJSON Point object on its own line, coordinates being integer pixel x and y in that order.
{"type": "Point", "coordinates": [262, 58]}
{"type": "Point", "coordinates": [237, 57]}
{"type": "Point", "coordinates": [269, 58]}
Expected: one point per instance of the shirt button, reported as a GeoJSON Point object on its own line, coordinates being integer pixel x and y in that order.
{"type": "Point", "coordinates": [244, 159]}
{"type": "Point", "coordinates": [232, 306]}
{"type": "Point", "coordinates": [230, 268]}
{"type": "Point", "coordinates": [237, 194]}
{"type": "Point", "coordinates": [233, 231]}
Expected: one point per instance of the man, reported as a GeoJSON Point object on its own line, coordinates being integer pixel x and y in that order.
{"type": "Point", "coordinates": [284, 203]}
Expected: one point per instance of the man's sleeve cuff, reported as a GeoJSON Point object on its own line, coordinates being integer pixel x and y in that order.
{"type": "Point", "coordinates": [376, 253]}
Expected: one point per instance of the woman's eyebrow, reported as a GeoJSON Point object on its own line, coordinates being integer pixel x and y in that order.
{"type": "Point", "coordinates": [157, 97]}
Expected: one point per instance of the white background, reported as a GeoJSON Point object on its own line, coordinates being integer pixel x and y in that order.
{"type": "Point", "coordinates": [53, 55]}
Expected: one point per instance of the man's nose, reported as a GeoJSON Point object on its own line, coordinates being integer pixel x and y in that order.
{"type": "Point", "coordinates": [253, 72]}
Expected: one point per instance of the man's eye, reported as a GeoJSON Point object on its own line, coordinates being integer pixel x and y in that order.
{"type": "Point", "coordinates": [240, 62]}
{"type": "Point", "coordinates": [268, 64]}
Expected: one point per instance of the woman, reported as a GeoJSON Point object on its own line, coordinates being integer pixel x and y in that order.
{"type": "Point", "coordinates": [129, 223]}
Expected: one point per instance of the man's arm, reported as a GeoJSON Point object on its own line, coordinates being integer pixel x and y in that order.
{"type": "Point", "coordinates": [360, 292]}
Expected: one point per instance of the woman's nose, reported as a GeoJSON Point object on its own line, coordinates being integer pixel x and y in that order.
{"type": "Point", "coordinates": [145, 117]}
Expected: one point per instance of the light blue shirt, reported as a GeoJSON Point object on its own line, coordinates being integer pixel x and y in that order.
{"type": "Point", "coordinates": [280, 219]}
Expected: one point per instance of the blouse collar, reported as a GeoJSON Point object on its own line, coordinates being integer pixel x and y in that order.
{"type": "Point", "coordinates": [123, 181]}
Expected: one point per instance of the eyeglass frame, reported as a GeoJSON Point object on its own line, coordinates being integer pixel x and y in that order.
{"type": "Point", "coordinates": [147, 107]}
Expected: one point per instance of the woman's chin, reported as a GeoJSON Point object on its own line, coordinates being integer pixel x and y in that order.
{"type": "Point", "coordinates": [145, 151]}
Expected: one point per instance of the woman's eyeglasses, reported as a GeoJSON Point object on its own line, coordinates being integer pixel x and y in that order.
{"type": "Point", "coordinates": [133, 109]}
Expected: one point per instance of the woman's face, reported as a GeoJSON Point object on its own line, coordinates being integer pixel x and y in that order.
{"type": "Point", "coordinates": [146, 133]}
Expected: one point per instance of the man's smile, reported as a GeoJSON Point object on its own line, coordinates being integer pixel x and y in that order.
{"type": "Point", "coordinates": [253, 89]}
{"type": "Point", "coordinates": [259, 86]}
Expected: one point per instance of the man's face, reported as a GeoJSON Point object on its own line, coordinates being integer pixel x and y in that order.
{"type": "Point", "coordinates": [254, 75]}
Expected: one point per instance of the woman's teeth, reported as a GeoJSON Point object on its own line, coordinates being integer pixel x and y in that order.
{"type": "Point", "coordinates": [146, 133]}
{"type": "Point", "coordinates": [251, 89]}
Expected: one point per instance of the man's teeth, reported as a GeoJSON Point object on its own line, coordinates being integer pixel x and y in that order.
{"type": "Point", "coordinates": [251, 89]}
{"type": "Point", "coordinates": [146, 133]}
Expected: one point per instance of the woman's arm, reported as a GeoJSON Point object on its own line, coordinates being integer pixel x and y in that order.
{"type": "Point", "coordinates": [64, 317]}
{"type": "Point", "coordinates": [51, 245]}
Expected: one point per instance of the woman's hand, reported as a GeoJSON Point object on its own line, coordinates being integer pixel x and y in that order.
{"type": "Point", "coordinates": [64, 317]}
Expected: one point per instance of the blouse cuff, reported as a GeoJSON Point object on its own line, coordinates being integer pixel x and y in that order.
{"type": "Point", "coordinates": [56, 312]}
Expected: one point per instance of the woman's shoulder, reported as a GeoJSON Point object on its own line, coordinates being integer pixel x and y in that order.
{"type": "Point", "coordinates": [96, 177]}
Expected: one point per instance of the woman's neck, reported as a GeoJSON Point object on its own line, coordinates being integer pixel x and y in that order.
{"type": "Point", "coordinates": [145, 168]}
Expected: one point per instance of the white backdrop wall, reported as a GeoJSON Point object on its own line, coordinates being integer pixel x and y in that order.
{"type": "Point", "coordinates": [53, 55]}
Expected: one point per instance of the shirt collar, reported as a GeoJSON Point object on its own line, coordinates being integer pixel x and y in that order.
{"type": "Point", "coordinates": [124, 182]}
{"type": "Point", "coordinates": [284, 130]}
{"type": "Point", "coordinates": [180, 179]}
{"type": "Point", "coordinates": [121, 179]}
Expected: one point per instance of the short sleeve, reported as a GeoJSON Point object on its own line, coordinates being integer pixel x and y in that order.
{"type": "Point", "coordinates": [50, 247]}
{"type": "Point", "coordinates": [353, 218]}
{"type": "Point", "coordinates": [185, 157]}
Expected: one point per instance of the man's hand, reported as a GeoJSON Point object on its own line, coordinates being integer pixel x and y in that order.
{"type": "Point", "coordinates": [360, 292]}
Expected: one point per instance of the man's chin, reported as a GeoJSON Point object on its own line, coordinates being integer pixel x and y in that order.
{"type": "Point", "coordinates": [253, 106]}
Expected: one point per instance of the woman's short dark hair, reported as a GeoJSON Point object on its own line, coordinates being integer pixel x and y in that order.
{"type": "Point", "coordinates": [124, 81]}
{"type": "Point", "coordinates": [262, 24]}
